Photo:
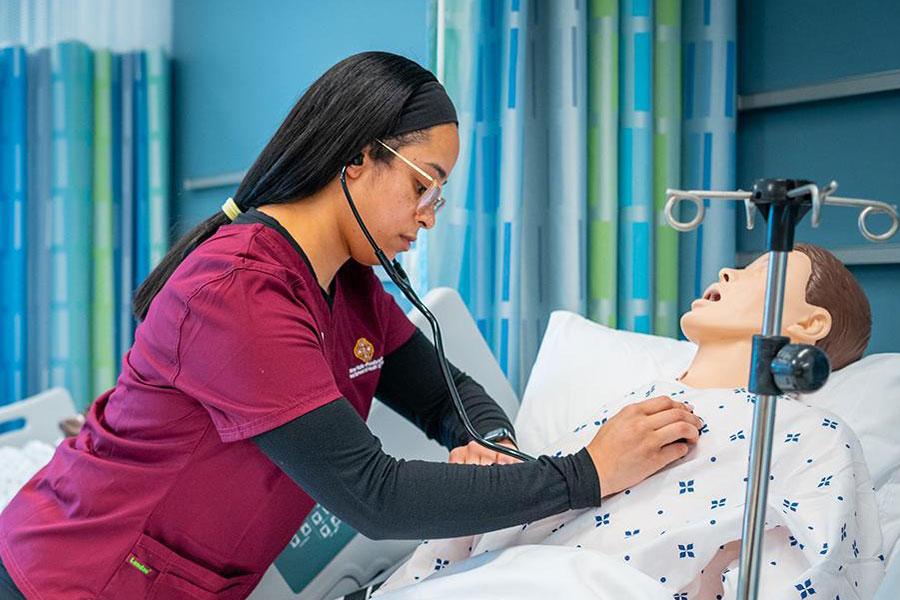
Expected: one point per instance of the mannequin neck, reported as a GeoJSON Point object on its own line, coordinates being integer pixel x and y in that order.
{"type": "Point", "coordinates": [720, 364]}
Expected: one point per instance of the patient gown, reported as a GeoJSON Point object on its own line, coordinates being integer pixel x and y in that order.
{"type": "Point", "coordinates": [682, 526]}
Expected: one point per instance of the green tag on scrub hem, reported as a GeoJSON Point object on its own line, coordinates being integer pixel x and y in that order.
{"type": "Point", "coordinates": [137, 565]}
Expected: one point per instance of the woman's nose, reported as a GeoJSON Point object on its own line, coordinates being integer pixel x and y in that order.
{"type": "Point", "coordinates": [726, 275]}
{"type": "Point", "coordinates": [426, 218]}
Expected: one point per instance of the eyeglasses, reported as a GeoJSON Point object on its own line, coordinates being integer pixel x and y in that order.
{"type": "Point", "coordinates": [430, 198]}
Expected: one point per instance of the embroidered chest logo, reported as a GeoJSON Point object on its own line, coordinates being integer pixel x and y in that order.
{"type": "Point", "coordinates": [365, 351]}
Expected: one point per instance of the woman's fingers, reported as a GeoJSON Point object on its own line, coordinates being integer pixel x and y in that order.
{"type": "Point", "coordinates": [458, 456]}
{"type": "Point", "coordinates": [673, 415]}
{"type": "Point", "coordinates": [673, 452]}
{"type": "Point", "coordinates": [471, 455]}
{"type": "Point", "coordinates": [677, 432]}
{"type": "Point", "coordinates": [475, 454]}
{"type": "Point", "coordinates": [505, 459]}
{"type": "Point", "coordinates": [659, 404]}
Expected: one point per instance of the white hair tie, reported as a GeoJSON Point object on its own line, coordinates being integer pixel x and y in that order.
{"type": "Point", "coordinates": [231, 209]}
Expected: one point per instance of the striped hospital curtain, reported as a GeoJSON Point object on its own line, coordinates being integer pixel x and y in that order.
{"type": "Point", "coordinates": [666, 159]}
{"type": "Point", "coordinates": [70, 220]}
{"type": "Point", "coordinates": [462, 251]}
{"type": "Point", "coordinates": [566, 219]}
{"type": "Point", "coordinates": [553, 264]}
{"type": "Point", "coordinates": [40, 178]}
{"type": "Point", "coordinates": [115, 173]}
{"type": "Point", "coordinates": [479, 282]}
{"type": "Point", "coordinates": [636, 253]}
{"type": "Point", "coordinates": [534, 248]}
{"type": "Point", "coordinates": [103, 313]}
{"type": "Point", "coordinates": [127, 205]}
{"type": "Point", "coordinates": [13, 236]}
{"type": "Point", "coordinates": [590, 109]}
{"type": "Point", "coordinates": [708, 159]}
{"type": "Point", "coordinates": [84, 187]}
{"type": "Point", "coordinates": [141, 159]}
{"type": "Point", "coordinates": [602, 161]}
{"type": "Point", "coordinates": [159, 140]}
{"type": "Point", "coordinates": [443, 248]}
{"type": "Point", "coordinates": [483, 251]}
{"type": "Point", "coordinates": [509, 213]}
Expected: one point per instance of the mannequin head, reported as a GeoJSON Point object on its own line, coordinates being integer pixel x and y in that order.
{"type": "Point", "coordinates": [823, 305]}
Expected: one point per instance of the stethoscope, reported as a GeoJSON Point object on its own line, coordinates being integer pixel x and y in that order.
{"type": "Point", "coordinates": [399, 277]}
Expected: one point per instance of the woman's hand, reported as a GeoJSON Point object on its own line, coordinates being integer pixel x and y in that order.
{"type": "Point", "coordinates": [640, 440]}
{"type": "Point", "coordinates": [474, 453]}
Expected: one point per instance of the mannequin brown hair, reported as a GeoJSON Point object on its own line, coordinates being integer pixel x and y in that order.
{"type": "Point", "coordinates": [831, 286]}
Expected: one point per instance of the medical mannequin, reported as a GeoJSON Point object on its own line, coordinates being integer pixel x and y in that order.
{"type": "Point", "coordinates": [682, 526]}
{"type": "Point", "coordinates": [823, 305]}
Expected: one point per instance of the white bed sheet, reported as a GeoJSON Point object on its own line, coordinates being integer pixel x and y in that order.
{"type": "Point", "coordinates": [535, 572]}
{"type": "Point", "coordinates": [18, 465]}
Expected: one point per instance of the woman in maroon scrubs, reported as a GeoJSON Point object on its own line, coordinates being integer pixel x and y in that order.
{"type": "Point", "coordinates": [264, 335]}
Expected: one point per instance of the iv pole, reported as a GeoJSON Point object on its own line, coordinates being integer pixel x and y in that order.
{"type": "Point", "coordinates": [776, 366]}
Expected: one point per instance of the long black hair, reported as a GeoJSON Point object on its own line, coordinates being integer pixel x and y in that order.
{"type": "Point", "coordinates": [355, 102]}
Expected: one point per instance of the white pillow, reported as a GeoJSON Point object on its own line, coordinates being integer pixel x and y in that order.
{"type": "Point", "coordinates": [581, 364]}
{"type": "Point", "coordinates": [867, 395]}
{"type": "Point", "coordinates": [578, 360]}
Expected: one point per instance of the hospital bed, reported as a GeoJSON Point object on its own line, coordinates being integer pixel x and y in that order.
{"type": "Point", "coordinates": [326, 559]}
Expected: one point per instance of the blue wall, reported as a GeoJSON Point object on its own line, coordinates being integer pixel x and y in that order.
{"type": "Point", "coordinates": [853, 140]}
{"type": "Point", "coordinates": [239, 67]}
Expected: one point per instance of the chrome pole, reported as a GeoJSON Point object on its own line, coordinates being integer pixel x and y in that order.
{"type": "Point", "coordinates": [761, 443]}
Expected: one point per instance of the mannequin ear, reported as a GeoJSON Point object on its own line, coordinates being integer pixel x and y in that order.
{"type": "Point", "coordinates": [813, 327]}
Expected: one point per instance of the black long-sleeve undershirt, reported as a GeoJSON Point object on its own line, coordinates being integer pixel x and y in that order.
{"type": "Point", "coordinates": [412, 384]}
{"type": "Point", "coordinates": [333, 456]}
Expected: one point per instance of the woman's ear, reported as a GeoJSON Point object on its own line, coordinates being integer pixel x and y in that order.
{"type": "Point", "coordinates": [358, 163]}
{"type": "Point", "coordinates": [813, 327]}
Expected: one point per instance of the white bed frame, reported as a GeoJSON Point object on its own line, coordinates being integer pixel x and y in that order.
{"type": "Point", "coordinates": [362, 560]}
{"type": "Point", "coordinates": [41, 413]}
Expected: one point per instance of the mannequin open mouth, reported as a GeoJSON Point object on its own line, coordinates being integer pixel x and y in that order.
{"type": "Point", "coordinates": [712, 294]}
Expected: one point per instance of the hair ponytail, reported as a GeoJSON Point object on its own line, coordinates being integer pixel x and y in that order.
{"type": "Point", "coordinates": [356, 101]}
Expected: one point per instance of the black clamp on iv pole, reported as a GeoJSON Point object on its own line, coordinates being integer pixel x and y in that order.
{"type": "Point", "coordinates": [777, 367]}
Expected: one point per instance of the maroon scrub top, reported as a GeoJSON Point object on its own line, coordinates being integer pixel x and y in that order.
{"type": "Point", "coordinates": [163, 494]}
